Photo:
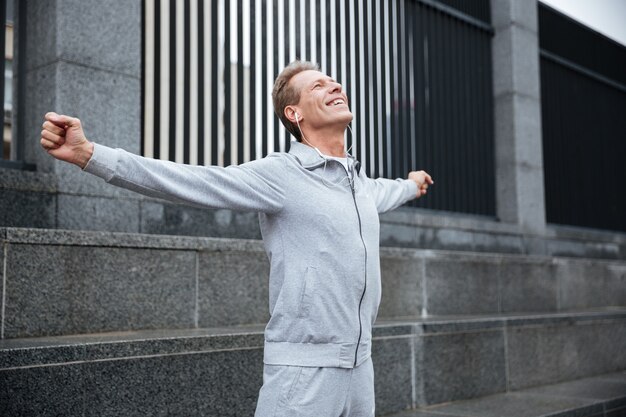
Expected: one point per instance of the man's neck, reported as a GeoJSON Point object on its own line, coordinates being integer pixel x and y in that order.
{"type": "Point", "coordinates": [328, 142]}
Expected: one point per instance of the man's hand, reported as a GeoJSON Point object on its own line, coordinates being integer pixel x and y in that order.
{"type": "Point", "coordinates": [423, 180]}
{"type": "Point", "coordinates": [63, 137]}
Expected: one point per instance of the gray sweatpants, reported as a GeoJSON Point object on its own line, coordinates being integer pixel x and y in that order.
{"type": "Point", "coordinates": [302, 391]}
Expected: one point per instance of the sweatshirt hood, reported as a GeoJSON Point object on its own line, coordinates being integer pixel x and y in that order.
{"type": "Point", "coordinates": [308, 156]}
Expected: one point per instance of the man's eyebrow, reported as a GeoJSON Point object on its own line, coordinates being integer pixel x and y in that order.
{"type": "Point", "coordinates": [323, 80]}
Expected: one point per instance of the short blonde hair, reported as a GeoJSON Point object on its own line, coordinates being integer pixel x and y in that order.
{"type": "Point", "coordinates": [284, 94]}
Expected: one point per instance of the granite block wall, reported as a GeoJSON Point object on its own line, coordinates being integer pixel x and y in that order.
{"type": "Point", "coordinates": [219, 371]}
{"type": "Point", "coordinates": [68, 282]}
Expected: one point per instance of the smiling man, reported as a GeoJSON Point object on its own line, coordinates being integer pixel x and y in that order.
{"type": "Point", "coordinates": [318, 213]}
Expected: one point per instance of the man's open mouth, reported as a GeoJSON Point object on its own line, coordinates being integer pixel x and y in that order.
{"type": "Point", "coordinates": [336, 102]}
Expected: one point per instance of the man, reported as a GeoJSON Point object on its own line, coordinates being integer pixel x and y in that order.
{"type": "Point", "coordinates": [318, 214]}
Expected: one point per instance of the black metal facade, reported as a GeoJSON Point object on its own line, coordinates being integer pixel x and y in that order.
{"type": "Point", "coordinates": [583, 101]}
{"type": "Point", "coordinates": [444, 123]}
{"type": "Point", "coordinates": [15, 158]}
{"type": "Point", "coordinates": [417, 73]}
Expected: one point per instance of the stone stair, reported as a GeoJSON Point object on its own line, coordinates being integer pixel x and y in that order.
{"type": "Point", "coordinates": [599, 396]}
{"type": "Point", "coordinates": [100, 323]}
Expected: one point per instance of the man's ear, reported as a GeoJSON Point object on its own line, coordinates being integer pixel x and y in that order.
{"type": "Point", "coordinates": [292, 114]}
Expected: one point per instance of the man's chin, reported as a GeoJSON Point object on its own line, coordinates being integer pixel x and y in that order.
{"type": "Point", "coordinates": [345, 116]}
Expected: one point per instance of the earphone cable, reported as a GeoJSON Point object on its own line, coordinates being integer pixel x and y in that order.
{"type": "Point", "coordinates": [350, 167]}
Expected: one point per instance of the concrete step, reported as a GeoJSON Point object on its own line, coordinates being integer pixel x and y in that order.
{"type": "Point", "coordinates": [599, 396]}
{"type": "Point", "coordinates": [218, 371]}
{"type": "Point", "coordinates": [60, 282]}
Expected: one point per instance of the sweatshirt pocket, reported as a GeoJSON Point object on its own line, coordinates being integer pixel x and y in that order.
{"type": "Point", "coordinates": [307, 292]}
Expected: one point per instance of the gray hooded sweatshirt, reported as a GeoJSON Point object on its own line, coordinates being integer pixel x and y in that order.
{"type": "Point", "coordinates": [320, 231]}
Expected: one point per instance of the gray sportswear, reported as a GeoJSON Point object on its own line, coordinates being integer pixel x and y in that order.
{"type": "Point", "coordinates": [321, 235]}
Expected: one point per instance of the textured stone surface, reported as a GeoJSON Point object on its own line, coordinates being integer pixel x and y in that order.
{"type": "Point", "coordinates": [547, 354]}
{"type": "Point", "coordinates": [460, 365]}
{"type": "Point", "coordinates": [600, 388]}
{"type": "Point", "coordinates": [520, 405]}
{"type": "Point", "coordinates": [534, 245]}
{"type": "Point", "coordinates": [27, 209]}
{"type": "Point", "coordinates": [528, 127]}
{"type": "Point", "coordinates": [170, 219]}
{"type": "Point", "coordinates": [57, 349]}
{"type": "Point", "coordinates": [527, 286]}
{"type": "Point", "coordinates": [566, 248]}
{"type": "Point", "coordinates": [122, 372]}
{"type": "Point", "coordinates": [422, 414]}
{"type": "Point", "coordinates": [86, 289]}
{"type": "Point", "coordinates": [104, 34]}
{"type": "Point", "coordinates": [570, 248]}
{"type": "Point", "coordinates": [505, 13]}
{"type": "Point", "coordinates": [126, 240]}
{"type": "Point", "coordinates": [41, 48]}
{"type": "Point", "coordinates": [16, 179]}
{"type": "Point", "coordinates": [517, 113]}
{"type": "Point", "coordinates": [41, 85]}
{"type": "Point", "coordinates": [100, 34]}
{"type": "Point", "coordinates": [233, 288]}
{"type": "Point", "coordinates": [618, 412]}
{"type": "Point", "coordinates": [60, 349]}
{"type": "Point", "coordinates": [402, 276]}
{"type": "Point", "coordinates": [507, 243]}
{"type": "Point", "coordinates": [430, 230]}
{"type": "Point", "coordinates": [400, 235]}
{"type": "Point", "coordinates": [41, 391]}
{"type": "Point", "coordinates": [90, 100]}
{"type": "Point", "coordinates": [100, 99]}
{"type": "Point", "coordinates": [12, 356]}
{"type": "Point", "coordinates": [597, 243]}
{"type": "Point", "coordinates": [461, 323]}
{"type": "Point", "coordinates": [217, 383]}
{"type": "Point", "coordinates": [519, 172]}
{"type": "Point", "coordinates": [392, 359]}
{"type": "Point", "coordinates": [588, 283]}
{"type": "Point", "coordinates": [96, 213]}
{"type": "Point", "coordinates": [585, 397]}
{"type": "Point", "coordinates": [451, 239]}
{"type": "Point", "coordinates": [424, 236]}
{"type": "Point", "coordinates": [492, 242]}
{"type": "Point", "coordinates": [462, 286]}
{"type": "Point", "coordinates": [385, 328]}
{"type": "Point", "coordinates": [84, 59]}
{"type": "Point", "coordinates": [211, 384]}
{"type": "Point", "coordinates": [516, 74]}
{"type": "Point", "coordinates": [567, 318]}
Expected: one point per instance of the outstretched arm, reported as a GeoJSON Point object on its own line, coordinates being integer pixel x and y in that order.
{"type": "Point", "coordinates": [390, 194]}
{"type": "Point", "coordinates": [253, 186]}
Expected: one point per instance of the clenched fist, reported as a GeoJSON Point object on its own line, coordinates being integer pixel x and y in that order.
{"type": "Point", "coordinates": [423, 180]}
{"type": "Point", "coordinates": [63, 137]}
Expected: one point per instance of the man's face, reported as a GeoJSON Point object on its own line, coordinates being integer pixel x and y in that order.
{"type": "Point", "coordinates": [322, 101]}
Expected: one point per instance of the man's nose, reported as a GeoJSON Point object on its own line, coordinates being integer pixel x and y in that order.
{"type": "Point", "coordinates": [335, 87]}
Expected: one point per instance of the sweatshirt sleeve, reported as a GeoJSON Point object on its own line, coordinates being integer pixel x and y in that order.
{"type": "Point", "coordinates": [252, 186]}
{"type": "Point", "coordinates": [390, 194]}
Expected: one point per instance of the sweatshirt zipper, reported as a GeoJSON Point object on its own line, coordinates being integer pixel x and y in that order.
{"type": "Point", "coordinates": [365, 286]}
{"type": "Point", "coordinates": [356, 351]}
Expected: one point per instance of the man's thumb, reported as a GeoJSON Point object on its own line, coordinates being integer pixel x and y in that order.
{"type": "Point", "coordinates": [61, 120]}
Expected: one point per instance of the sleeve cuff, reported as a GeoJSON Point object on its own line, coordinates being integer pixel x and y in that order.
{"type": "Point", "coordinates": [411, 189]}
{"type": "Point", "coordinates": [103, 162]}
